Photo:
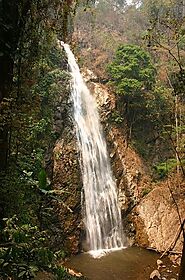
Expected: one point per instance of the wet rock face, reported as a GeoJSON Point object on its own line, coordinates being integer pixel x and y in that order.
{"type": "Point", "coordinates": [130, 175]}
{"type": "Point", "coordinates": [129, 170]}
{"type": "Point", "coordinates": [67, 179]}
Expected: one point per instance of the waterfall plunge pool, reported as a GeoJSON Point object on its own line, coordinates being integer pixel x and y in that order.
{"type": "Point", "coordinates": [132, 263]}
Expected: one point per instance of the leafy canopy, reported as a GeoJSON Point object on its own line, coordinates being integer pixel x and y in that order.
{"type": "Point", "coordinates": [132, 71]}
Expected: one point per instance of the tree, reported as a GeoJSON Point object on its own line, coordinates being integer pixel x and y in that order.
{"type": "Point", "coordinates": [142, 103]}
{"type": "Point", "coordinates": [132, 73]}
{"type": "Point", "coordinates": [32, 89]}
{"type": "Point", "coordinates": [182, 266]}
{"type": "Point", "coordinates": [21, 26]}
{"type": "Point", "coordinates": [165, 37]}
{"type": "Point", "coordinates": [102, 28]}
{"type": "Point", "coordinates": [11, 24]}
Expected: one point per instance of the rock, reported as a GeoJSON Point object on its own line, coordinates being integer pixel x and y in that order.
{"type": "Point", "coordinates": [160, 219]}
{"type": "Point", "coordinates": [88, 75]}
{"type": "Point", "coordinates": [176, 259]}
{"type": "Point", "coordinates": [159, 262]}
{"type": "Point", "coordinates": [66, 177]}
{"type": "Point", "coordinates": [74, 273]}
{"type": "Point", "coordinates": [155, 275]}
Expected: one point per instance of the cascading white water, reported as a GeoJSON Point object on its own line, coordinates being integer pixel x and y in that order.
{"type": "Point", "coordinates": [102, 214]}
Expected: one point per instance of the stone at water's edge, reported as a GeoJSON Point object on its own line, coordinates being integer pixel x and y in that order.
{"type": "Point", "coordinates": [155, 275]}
{"type": "Point", "coordinates": [159, 263]}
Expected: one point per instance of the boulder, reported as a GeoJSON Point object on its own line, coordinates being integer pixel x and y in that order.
{"type": "Point", "coordinates": [159, 263]}
{"type": "Point", "coordinates": [155, 275]}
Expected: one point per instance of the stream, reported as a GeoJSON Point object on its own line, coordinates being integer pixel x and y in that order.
{"type": "Point", "coordinates": [133, 263]}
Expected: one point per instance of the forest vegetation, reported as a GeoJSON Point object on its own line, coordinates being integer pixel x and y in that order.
{"type": "Point", "coordinates": [138, 51]}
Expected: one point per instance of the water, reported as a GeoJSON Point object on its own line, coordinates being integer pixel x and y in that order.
{"type": "Point", "coordinates": [102, 214]}
{"type": "Point", "coordinates": [130, 264]}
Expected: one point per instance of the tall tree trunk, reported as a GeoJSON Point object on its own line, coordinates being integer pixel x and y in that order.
{"type": "Point", "coordinates": [182, 267]}
{"type": "Point", "coordinates": [177, 132]}
{"type": "Point", "coordinates": [6, 75]}
{"type": "Point", "coordinates": [8, 43]}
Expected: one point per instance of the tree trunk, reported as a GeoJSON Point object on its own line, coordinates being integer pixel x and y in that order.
{"type": "Point", "coordinates": [177, 132]}
{"type": "Point", "coordinates": [8, 45]}
{"type": "Point", "coordinates": [182, 267]}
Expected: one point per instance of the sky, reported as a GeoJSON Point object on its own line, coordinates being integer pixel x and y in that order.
{"type": "Point", "coordinates": [131, 1]}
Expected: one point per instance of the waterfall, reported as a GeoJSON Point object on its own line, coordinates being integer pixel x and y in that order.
{"type": "Point", "coordinates": [102, 214]}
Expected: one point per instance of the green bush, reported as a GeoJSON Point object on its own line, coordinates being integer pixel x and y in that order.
{"type": "Point", "coordinates": [162, 169]}
{"type": "Point", "coordinates": [25, 251]}
{"type": "Point", "coordinates": [116, 117]}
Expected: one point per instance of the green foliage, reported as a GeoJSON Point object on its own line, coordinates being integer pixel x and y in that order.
{"type": "Point", "coordinates": [132, 70]}
{"type": "Point", "coordinates": [162, 169]}
{"type": "Point", "coordinates": [32, 114]}
{"type": "Point", "coordinates": [32, 117]}
{"type": "Point", "coordinates": [159, 103]}
{"type": "Point", "coordinates": [42, 176]}
{"type": "Point", "coordinates": [26, 251]}
{"type": "Point", "coordinates": [116, 117]}
{"type": "Point", "coordinates": [139, 144]}
{"type": "Point", "coordinates": [178, 81]}
{"type": "Point", "coordinates": [17, 193]}
{"type": "Point", "coordinates": [142, 101]}
{"type": "Point", "coordinates": [133, 75]}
